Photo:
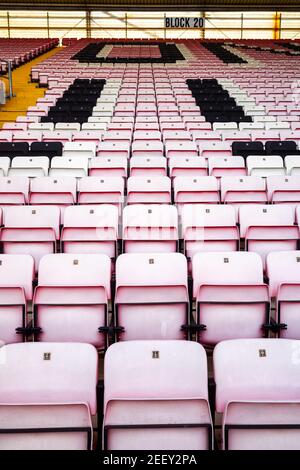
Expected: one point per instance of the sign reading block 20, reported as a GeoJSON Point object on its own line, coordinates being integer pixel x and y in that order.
{"type": "Point", "coordinates": [184, 22]}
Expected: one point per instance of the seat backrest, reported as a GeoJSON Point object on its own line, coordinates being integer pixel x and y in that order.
{"type": "Point", "coordinates": [221, 268]}
{"type": "Point", "coordinates": [64, 269]}
{"type": "Point", "coordinates": [50, 184]}
{"type": "Point", "coordinates": [282, 267]}
{"type": "Point", "coordinates": [32, 217]}
{"type": "Point", "coordinates": [161, 410]}
{"type": "Point", "coordinates": [102, 216]}
{"type": "Point", "coordinates": [264, 215]}
{"type": "Point", "coordinates": [159, 269]}
{"type": "Point", "coordinates": [256, 370]}
{"type": "Point", "coordinates": [17, 271]}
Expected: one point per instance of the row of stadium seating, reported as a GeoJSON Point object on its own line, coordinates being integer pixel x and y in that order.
{"type": "Point", "coordinates": [20, 51]}
{"type": "Point", "coordinates": [156, 395]}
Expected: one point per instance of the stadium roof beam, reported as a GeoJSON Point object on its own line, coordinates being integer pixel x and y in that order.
{"type": "Point", "coordinates": [158, 5]}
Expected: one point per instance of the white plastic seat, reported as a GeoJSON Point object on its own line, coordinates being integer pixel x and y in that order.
{"type": "Point", "coordinates": [265, 166]}
{"type": "Point", "coordinates": [29, 166]}
{"type": "Point", "coordinates": [79, 149]}
{"type": "Point", "coordinates": [69, 166]}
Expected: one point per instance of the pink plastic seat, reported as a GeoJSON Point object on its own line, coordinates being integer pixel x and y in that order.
{"type": "Point", "coordinates": [167, 407]}
{"type": "Point", "coordinates": [101, 190]}
{"type": "Point", "coordinates": [148, 135]}
{"type": "Point", "coordinates": [258, 392]}
{"type": "Point", "coordinates": [143, 148]}
{"type": "Point", "coordinates": [150, 228]}
{"type": "Point", "coordinates": [16, 277]}
{"type": "Point", "coordinates": [113, 148]}
{"type": "Point", "coordinates": [241, 190]}
{"type": "Point", "coordinates": [231, 300]}
{"type": "Point", "coordinates": [14, 190]}
{"type": "Point", "coordinates": [181, 148]}
{"type": "Point", "coordinates": [209, 227]}
{"type": "Point", "coordinates": [107, 166]}
{"type": "Point", "coordinates": [32, 230]}
{"type": "Point", "coordinates": [226, 166]}
{"type": "Point", "coordinates": [27, 136]}
{"type": "Point", "coordinates": [267, 228]}
{"type": "Point", "coordinates": [209, 149]}
{"type": "Point", "coordinates": [90, 229]}
{"type": "Point", "coordinates": [58, 191]}
{"type": "Point", "coordinates": [284, 189]}
{"type": "Point", "coordinates": [176, 136]}
{"type": "Point", "coordinates": [148, 166]}
{"type": "Point", "coordinates": [57, 136]}
{"type": "Point", "coordinates": [187, 166]}
{"type": "Point", "coordinates": [200, 189]}
{"type": "Point", "coordinates": [47, 396]}
{"type": "Point", "coordinates": [70, 301]}
{"type": "Point", "coordinates": [148, 190]}
{"type": "Point", "coordinates": [151, 299]}
{"type": "Point", "coordinates": [283, 270]}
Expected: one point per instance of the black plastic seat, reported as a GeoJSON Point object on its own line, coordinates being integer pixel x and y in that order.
{"type": "Point", "coordinates": [47, 149]}
{"type": "Point", "coordinates": [13, 149]}
{"type": "Point", "coordinates": [244, 149]}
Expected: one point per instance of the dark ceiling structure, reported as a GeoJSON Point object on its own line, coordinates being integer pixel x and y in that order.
{"type": "Point", "coordinates": [152, 5]}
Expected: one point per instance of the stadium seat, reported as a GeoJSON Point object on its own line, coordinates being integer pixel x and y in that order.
{"type": "Point", "coordinates": [16, 279]}
{"type": "Point", "coordinates": [174, 415]}
{"type": "Point", "coordinates": [265, 166]}
{"type": "Point", "coordinates": [187, 166]}
{"type": "Point", "coordinates": [70, 301]}
{"type": "Point", "coordinates": [90, 229]}
{"type": "Point", "coordinates": [29, 166]}
{"type": "Point", "coordinates": [210, 227]}
{"type": "Point", "coordinates": [231, 301]}
{"type": "Point", "coordinates": [226, 166]}
{"type": "Point", "coordinates": [150, 228]}
{"type": "Point", "coordinates": [238, 191]}
{"type": "Point", "coordinates": [202, 189]}
{"type": "Point", "coordinates": [267, 228]}
{"type": "Point", "coordinates": [32, 230]}
{"type": "Point", "coordinates": [152, 300]}
{"type": "Point", "coordinates": [104, 190]}
{"type": "Point", "coordinates": [148, 190]}
{"type": "Point", "coordinates": [48, 396]}
{"type": "Point", "coordinates": [257, 390]}
{"type": "Point", "coordinates": [14, 190]}
{"type": "Point", "coordinates": [284, 281]}
{"type": "Point", "coordinates": [284, 189]}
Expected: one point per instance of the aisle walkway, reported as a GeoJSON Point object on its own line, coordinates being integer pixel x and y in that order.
{"type": "Point", "coordinates": [26, 92]}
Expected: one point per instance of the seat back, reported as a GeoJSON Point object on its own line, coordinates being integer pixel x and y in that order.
{"type": "Point", "coordinates": [140, 416]}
